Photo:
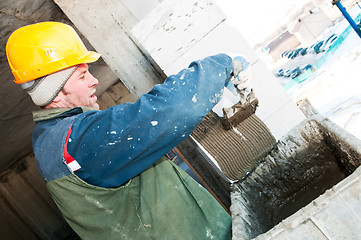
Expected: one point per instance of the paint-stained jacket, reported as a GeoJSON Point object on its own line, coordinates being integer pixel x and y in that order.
{"type": "Point", "coordinates": [95, 162]}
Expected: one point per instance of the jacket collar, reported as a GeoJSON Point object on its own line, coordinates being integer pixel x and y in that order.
{"type": "Point", "coordinates": [52, 113]}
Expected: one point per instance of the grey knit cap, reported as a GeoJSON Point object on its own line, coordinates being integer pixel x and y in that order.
{"type": "Point", "coordinates": [43, 90]}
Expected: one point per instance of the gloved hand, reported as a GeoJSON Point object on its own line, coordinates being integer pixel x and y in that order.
{"type": "Point", "coordinates": [238, 88]}
{"type": "Point", "coordinates": [240, 64]}
{"type": "Point", "coordinates": [241, 78]}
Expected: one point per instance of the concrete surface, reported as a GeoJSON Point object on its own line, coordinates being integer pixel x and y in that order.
{"type": "Point", "coordinates": [308, 187]}
{"type": "Point", "coordinates": [334, 215]}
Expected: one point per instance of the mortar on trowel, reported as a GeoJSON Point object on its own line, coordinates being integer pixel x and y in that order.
{"type": "Point", "coordinates": [231, 133]}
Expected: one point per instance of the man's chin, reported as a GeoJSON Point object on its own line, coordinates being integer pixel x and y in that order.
{"type": "Point", "coordinates": [93, 102]}
{"type": "Point", "coordinates": [95, 106]}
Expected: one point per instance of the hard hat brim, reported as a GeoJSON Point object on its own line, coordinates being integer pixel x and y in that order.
{"type": "Point", "coordinates": [91, 57]}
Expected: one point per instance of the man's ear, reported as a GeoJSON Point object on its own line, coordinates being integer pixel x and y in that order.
{"type": "Point", "coordinates": [56, 101]}
{"type": "Point", "coordinates": [58, 97]}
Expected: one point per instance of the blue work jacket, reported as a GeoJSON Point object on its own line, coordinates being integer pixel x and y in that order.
{"type": "Point", "coordinates": [108, 148]}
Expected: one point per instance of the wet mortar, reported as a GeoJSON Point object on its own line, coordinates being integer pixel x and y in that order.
{"type": "Point", "coordinates": [298, 170]}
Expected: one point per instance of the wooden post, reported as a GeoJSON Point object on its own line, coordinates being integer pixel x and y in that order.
{"type": "Point", "coordinates": [106, 25]}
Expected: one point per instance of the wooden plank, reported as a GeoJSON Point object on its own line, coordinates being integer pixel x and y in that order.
{"type": "Point", "coordinates": [105, 101]}
{"type": "Point", "coordinates": [12, 225]}
{"type": "Point", "coordinates": [106, 25]}
{"type": "Point", "coordinates": [127, 98]}
{"type": "Point", "coordinates": [117, 91]}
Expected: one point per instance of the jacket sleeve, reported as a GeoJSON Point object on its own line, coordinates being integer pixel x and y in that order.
{"type": "Point", "coordinates": [114, 145]}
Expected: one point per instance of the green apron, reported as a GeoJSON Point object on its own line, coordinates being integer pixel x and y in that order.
{"type": "Point", "coordinates": [163, 202]}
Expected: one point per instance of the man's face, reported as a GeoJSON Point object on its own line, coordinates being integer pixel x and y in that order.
{"type": "Point", "coordinates": [80, 88]}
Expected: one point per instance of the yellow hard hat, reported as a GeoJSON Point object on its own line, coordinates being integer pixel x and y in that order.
{"type": "Point", "coordinates": [43, 48]}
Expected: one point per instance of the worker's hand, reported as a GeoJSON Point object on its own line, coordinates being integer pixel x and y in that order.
{"type": "Point", "coordinates": [238, 88]}
{"type": "Point", "coordinates": [240, 81]}
{"type": "Point", "coordinates": [240, 64]}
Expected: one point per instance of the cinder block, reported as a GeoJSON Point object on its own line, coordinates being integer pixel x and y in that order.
{"type": "Point", "coordinates": [175, 26]}
{"type": "Point", "coordinates": [269, 92]}
{"type": "Point", "coordinates": [222, 39]}
{"type": "Point", "coordinates": [305, 231]}
{"type": "Point", "coordinates": [352, 197]}
{"type": "Point", "coordinates": [338, 221]}
{"type": "Point", "coordinates": [283, 119]}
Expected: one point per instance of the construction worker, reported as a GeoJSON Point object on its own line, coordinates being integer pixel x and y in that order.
{"type": "Point", "coordinates": [106, 170]}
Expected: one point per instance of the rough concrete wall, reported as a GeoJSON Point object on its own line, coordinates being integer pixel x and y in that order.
{"type": "Point", "coordinates": [17, 13]}
{"type": "Point", "coordinates": [16, 106]}
{"type": "Point", "coordinates": [26, 208]}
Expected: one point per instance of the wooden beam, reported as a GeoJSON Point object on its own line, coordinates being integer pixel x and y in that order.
{"type": "Point", "coordinates": [106, 25]}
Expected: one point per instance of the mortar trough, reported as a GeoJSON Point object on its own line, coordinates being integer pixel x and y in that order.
{"type": "Point", "coordinates": [312, 158]}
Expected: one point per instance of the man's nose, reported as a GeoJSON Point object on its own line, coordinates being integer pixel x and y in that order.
{"type": "Point", "coordinates": [93, 81]}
